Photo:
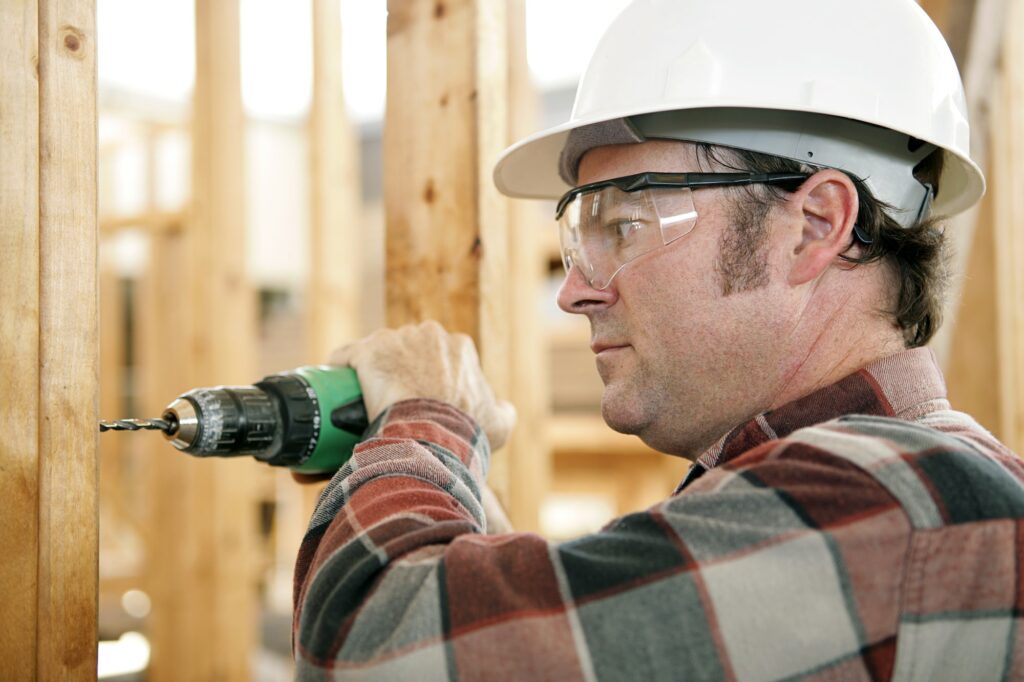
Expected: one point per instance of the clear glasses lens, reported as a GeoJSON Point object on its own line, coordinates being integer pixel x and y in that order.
{"type": "Point", "coordinates": [602, 231]}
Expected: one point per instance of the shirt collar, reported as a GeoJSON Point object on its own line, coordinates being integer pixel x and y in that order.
{"type": "Point", "coordinates": [905, 385]}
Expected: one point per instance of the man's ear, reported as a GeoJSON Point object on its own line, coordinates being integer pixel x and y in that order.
{"type": "Point", "coordinates": [827, 202]}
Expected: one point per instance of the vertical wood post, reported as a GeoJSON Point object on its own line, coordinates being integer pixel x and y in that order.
{"type": "Point", "coordinates": [973, 369]}
{"type": "Point", "coordinates": [447, 120]}
{"type": "Point", "coordinates": [202, 332]}
{"type": "Point", "coordinates": [337, 230]}
{"type": "Point", "coordinates": [527, 458]}
{"type": "Point", "coordinates": [440, 111]}
{"type": "Point", "coordinates": [1007, 178]}
{"type": "Point", "coordinates": [19, 329]}
{"type": "Point", "coordinates": [50, 351]}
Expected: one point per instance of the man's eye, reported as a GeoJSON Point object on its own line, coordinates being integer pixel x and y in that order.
{"type": "Point", "coordinates": [624, 229]}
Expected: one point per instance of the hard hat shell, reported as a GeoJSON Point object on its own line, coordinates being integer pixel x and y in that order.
{"type": "Point", "coordinates": [880, 62]}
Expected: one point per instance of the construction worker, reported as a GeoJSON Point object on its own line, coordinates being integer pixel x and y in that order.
{"type": "Point", "coordinates": [748, 195]}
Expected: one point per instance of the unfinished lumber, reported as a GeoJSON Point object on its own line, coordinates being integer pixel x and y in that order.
{"type": "Point", "coordinates": [1006, 179]}
{"type": "Point", "coordinates": [526, 461]}
{"type": "Point", "coordinates": [19, 329]}
{"type": "Point", "coordinates": [201, 564]}
{"type": "Point", "coordinates": [449, 242]}
{"type": "Point", "coordinates": [978, 59]}
{"type": "Point", "coordinates": [337, 229]}
{"type": "Point", "coordinates": [49, 355]}
{"type": "Point", "coordinates": [973, 369]}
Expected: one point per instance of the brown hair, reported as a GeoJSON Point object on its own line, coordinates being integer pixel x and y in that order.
{"type": "Point", "coordinates": [915, 256]}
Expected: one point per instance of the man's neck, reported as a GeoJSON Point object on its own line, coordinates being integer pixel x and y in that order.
{"type": "Point", "coordinates": [829, 346]}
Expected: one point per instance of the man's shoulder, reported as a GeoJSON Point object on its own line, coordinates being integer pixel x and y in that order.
{"type": "Point", "coordinates": [942, 469]}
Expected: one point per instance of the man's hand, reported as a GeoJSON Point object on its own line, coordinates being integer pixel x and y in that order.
{"type": "Point", "coordinates": [425, 361]}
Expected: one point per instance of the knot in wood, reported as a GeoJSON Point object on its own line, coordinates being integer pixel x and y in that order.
{"type": "Point", "coordinates": [73, 41]}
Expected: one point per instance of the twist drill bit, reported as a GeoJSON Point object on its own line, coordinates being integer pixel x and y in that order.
{"type": "Point", "coordinates": [135, 425]}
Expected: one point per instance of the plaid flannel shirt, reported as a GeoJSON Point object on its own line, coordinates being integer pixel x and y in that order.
{"type": "Point", "coordinates": [808, 543]}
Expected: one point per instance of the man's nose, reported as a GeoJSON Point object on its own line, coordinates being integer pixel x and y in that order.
{"type": "Point", "coordinates": [576, 296]}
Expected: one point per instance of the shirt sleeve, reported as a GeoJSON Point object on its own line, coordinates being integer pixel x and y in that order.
{"type": "Point", "coordinates": [783, 564]}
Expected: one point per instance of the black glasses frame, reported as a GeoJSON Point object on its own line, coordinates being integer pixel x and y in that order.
{"type": "Point", "coordinates": [633, 183]}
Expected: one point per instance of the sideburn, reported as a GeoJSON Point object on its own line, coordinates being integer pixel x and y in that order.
{"type": "Point", "coordinates": [742, 262]}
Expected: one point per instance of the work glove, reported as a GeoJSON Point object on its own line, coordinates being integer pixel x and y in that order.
{"type": "Point", "coordinates": [425, 361]}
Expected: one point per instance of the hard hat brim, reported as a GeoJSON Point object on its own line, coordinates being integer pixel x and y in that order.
{"type": "Point", "coordinates": [530, 168]}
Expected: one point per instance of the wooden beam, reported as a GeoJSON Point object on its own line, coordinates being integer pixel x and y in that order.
{"type": "Point", "coordinates": [49, 355]}
{"type": "Point", "coordinates": [202, 565]}
{"type": "Point", "coordinates": [979, 63]}
{"type": "Point", "coordinates": [445, 124]}
{"type": "Point", "coordinates": [19, 329]}
{"type": "Point", "coordinates": [954, 18]}
{"type": "Point", "coordinates": [526, 462]}
{"type": "Point", "coordinates": [337, 232]}
{"type": "Point", "coordinates": [151, 221]}
{"type": "Point", "coordinates": [112, 379]}
{"type": "Point", "coordinates": [1007, 178]}
{"type": "Point", "coordinates": [972, 370]}
{"type": "Point", "coordinates": [68, 340]}
{"type": "Point", "coordinates": [437, 114]}
{"type": "Point", "coordinates": [458, 90]}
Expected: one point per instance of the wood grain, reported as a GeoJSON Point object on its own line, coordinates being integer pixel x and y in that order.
{"type": "Point", "coordinates": [68, 341]}
{"type": "Point", "coordinates": [434, 244]}
{"type": "Point", "coordinates": [338, 232]}
{"type": "Point", "coordinates": [457, 88]}
{"type": "Point", "coordinates": [19, 332]}
{"type": "Point", "coordinates": [202, 562]}
{"type": "Point", "coordinates": [1007, 179]}
{"type": "Point", "coordinates": [527, 457]}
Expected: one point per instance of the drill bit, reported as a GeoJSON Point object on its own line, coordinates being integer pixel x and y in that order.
{"type": "Point", "coordinates": [135, 425]}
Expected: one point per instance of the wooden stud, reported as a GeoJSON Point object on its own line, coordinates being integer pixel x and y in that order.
{"type": "Point", "coordinates": [978, 59]}
{"type": "Point", "coordinates": [972, 369]}
{"type": "Point", "coordinates": [112, 377]}
{"type": "Point", "coordinates": [432, 180]}
{"type": "Point", "coordinates": [19, 329]}
{"type": "Point", "coordinates": [202, 565]}
{"type": "Point", "coordinates": [447, 226]}
{"type": "Point", "coordinates": [335, 244]}
{"type": "Point", "coordinates": [49, 356]}
{"type": "Point", "coordinates": [150, 221]}
{"type": "Point", "coordinates": [527, 457]}
{"type": "Point", "coordinates": [68, 341]}
{"type": "Point", "coordinates": [1007, 177]}
{"type": "Point", "coordinates": [954, 19]}
{"type": "Point", "coordinates": [452, 252]}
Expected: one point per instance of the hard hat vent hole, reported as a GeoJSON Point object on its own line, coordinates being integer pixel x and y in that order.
{"type": "Point", "coordinates": [810, 155]}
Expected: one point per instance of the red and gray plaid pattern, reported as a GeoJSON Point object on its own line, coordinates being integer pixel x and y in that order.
{"type": "Point", "coordinates": [808, 543]}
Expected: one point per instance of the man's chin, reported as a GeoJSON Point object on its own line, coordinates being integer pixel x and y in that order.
{"type": "Point", "coordinates": [621, 415]}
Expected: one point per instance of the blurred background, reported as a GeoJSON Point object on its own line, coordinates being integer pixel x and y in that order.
{"type": "Point", "coordinates": [151, 132]}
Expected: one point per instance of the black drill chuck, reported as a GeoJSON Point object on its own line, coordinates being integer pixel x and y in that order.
{"type": "Point", "coordinates": [308, 419]}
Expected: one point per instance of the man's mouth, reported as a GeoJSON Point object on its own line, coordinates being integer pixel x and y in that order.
{"type": "Point", "coordinates": [599, 348]}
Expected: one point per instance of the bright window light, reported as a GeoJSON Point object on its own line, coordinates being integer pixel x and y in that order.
{"type": "Point", "coordinates": [565, 515]}
{"type": "Point", "coordinates": [136, 603]}
{"type": "Point", "coordinates": [364, 49]}
{"type": "Point", "coordinates": [129, 654]}
{"type": "Point", "coordinates": [147, 47]}
{"type": "Point", "coordinates": [277, 58]}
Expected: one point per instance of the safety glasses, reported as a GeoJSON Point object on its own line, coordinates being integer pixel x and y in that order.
{"type": "Point", "coordinates": [604, 225]}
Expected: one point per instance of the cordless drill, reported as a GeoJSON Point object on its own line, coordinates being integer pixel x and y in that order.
{"type": "Point", "coordinates": [308, 419]}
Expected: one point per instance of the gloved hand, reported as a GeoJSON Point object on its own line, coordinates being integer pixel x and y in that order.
{"type": "Point", "coordinates": [425, 361]}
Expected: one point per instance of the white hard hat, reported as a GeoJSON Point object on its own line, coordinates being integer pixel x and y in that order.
{"type": "Point", "coordinates": [868, 87]}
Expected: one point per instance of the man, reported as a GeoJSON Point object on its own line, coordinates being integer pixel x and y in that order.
{"type": "Point", "coordinates": [747, 229]}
